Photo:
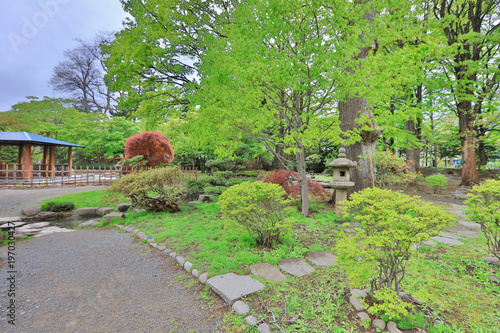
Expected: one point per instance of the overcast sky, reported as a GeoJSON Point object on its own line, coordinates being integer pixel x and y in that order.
{"type": "Point", "coordinates": [35, 34]}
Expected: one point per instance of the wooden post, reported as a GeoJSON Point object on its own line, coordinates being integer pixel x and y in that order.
{"type": "Point", "coordinates": [87, 175]}
{"type": "Point", "coordinates": [15, 174]}
{"type": "Point", "coordinates": [28, 162]}
{"type": "Point", "coordinates": [99, 175]}
{"type": "Point", "coordinates": [70, 160]}
{"type": "Point", "coordinates": [20, 157]}
{"type": "Point", "coordinates": [52, 161]}
{"type": "Point", "coordinates": [45, 159]}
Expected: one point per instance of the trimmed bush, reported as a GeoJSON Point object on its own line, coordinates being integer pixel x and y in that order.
{"type": "Point", "coordinates": [57, 207]}
{"type": "Point", "coordinates": [390, 223]}
{"type": "Point", "coordinates": [195, 186]}
{"type": "Point", "coordinates": [157, 189]}
{"type": "Point", "coordinates": [436, 182]}
{"type": "Point", "coordinates": [259, 207]}
{"type": "Point", "coordinates": [484, 208]}
{"type": "Point", "coordinates": [215, 190]}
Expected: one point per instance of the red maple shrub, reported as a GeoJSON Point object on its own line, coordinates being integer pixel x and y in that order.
{"type": "Point", "coordinates": [289, 181]}
{"type": "Point", "coordinates": [154, 147]}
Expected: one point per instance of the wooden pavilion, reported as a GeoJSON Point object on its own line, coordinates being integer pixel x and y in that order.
{"type": "Point", "coordinates": [25, 141]}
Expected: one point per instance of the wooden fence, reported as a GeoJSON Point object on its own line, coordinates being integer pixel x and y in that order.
{"type": "Point", "coordinates": [12, 176]}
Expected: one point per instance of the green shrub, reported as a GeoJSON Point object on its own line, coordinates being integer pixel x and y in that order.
{"type": "Point", "coordinates": [484, 208]}
{"type": "Point", "coordinates": [57, 206]}
{"type": "Point", "coordinates": [391, 170]}
{"type": "Point", "coordinates": [388, 305]}
{"type": "Point", "coordinates": [156, 189]}
{"type": "Point", "coordinates": [436, 182]}
{"type": "Point", "coordinates": [259, 207]}
{"type": "Point", "coordinates": [215, 190]}
{"type": "Point", "coordinates": [390, 223]}
{"type": "Point", "coordinates": [195, 186]}
{"type": "Point", "coordinates": [235, 181]}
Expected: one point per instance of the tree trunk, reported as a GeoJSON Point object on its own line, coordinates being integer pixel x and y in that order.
{"type": "Point", "coordinates": [412, 150]}
{"type": "Point", "coordinates": [466, 120]}
{"type": "Point", "coordinates": [481, 151]}
{"type": "Point", "coordinates": [301, 169]}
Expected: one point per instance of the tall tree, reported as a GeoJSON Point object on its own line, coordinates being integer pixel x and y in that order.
{"type": "Point", "coordinates": [473, 39]}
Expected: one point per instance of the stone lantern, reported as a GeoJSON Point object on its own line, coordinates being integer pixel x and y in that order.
{"type": "Point", "coordinates": [341, 178]}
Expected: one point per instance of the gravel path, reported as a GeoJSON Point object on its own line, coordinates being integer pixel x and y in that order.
{"type": "Point", "coordinates": [12, 201]}
{"type": "Point", "coordinates": [101, 280]}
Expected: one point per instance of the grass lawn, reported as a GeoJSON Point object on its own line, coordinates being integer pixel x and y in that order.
{"type": "Point", "coordinates": [99, 198]}
{"type": "Point", "coordinates": [451, 282]}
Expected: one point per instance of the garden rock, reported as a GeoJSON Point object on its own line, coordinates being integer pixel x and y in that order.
{"type": "Point", "coordinates": [358, 293]}
{"type": "Point", "coordinates": [167, 251]}
{"type": "Point", "coordinates": [295, 266]}
{"type": "Point", "coordinates": [204, 198]}
{"type": "Point", "coordinates": [88, 212]}
{"type": "Point", "coordinates": [356, 303]}
{"type": "Point", "coordinates": [195, 272]}
{"type": "Point", "coordinates": [9, 225]}
{"type": "Point", "coordinates": [136, 231]}
{"type": "Point", "coordinates": [90, 223]}
{"type": "Point", "coordinates": [264, 328]}
{"type": "Point", "coordinates": [149, 239]}
{"type": "Point", "coordinates": [461, 193]}
{"type": "Point", "coordinates": [141, 235]}
{"type": "Point", "coordinates": [392, 327]}
{"type": "Point", "coordinates": [251, 320]}
{"type": "Point", "coordinates": [162, 247]}
{"type": "Point", "coordinates": [123, 207]}
{"type": "Point", "coordinates": [48, 216]}
{"type": "Point", "coordinates": [180, 260]}
{"type": "Point", "coordinates": [241, 307]}
{"type": "Point", "coordinates": [493, 278]}
{"type": "Point", "coordinates": [172, 254]}
{"type": "Point", "coordinates": [379, 323]}
{"type": "Point", "coordinates": [267, 272]}
{"type": "Point", "coordinates": [105, 210]}
{"type": "Point", "coordinates": [231, 287]}
{"type": "Point", "coordinates": [321, 258]}
{"type": "Point", "coordinates": [31, 211]}
{"type": "Point", "coordinates": [363, 315]}
{"type": "Point", "coordinates": [154, 245]}
{"type": "Point", "coordinates": [203, 278]}
{"type": "Point", "coordinates": [110, 216]}
{"type": "Point", "coordinates": [188, 266]}
{"type": "Point", "coordinates": [10, 219]}
{"type": "Point", "coordinates": [492, 260]}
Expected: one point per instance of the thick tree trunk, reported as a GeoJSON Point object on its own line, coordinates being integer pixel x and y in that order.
{"type": "Point", "coordinates": [304, 188]}
{"type": "Point", "coordinates": [466, 119]}
{"type": "Point", "coordinates": [481, 151]}
{"type": "Point", "coordinates": [412, 150]}
{"type": "Point", "coordinates": [362, 151]}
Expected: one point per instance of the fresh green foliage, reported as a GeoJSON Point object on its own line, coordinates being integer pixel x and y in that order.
{"type": "Point", "coordinates": [412, 321]}
{"type": "Point", "coordinates": [156, 189]}
{"type": "Point", "coordinates": [195, 186]}
{"type": "Point", "coordinates": [437, 182]}
{"type": "Point", "coordinates": [52, 206]}
{"type": "Point", "coordinates": [259, 207]}
{"type": "Point", "coordinates": [137, 161]}
{"type": "Point", "coordinates": [389, 305]}
{"type": "Point", "coordinates": [216, 190]}
{"type": "Point", "coordinates": [484, 208]}
{"type": "Point", "coordinates": [391, 170]}
{"type": "Point", "coordinates": [390, 223]}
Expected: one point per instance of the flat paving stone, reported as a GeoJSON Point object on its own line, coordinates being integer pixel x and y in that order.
{"type": "Point", "coordinates": [470, 225]}
{"type": "Point", "coordinates": [321, 258]}
{"type": "Point", "coordinates": [10, 219]}
{"type": "Point", "coordinates": [267, 272]}
{"type": "Point", "coordinates": [9, 225]}
{"type": "Point", "coordinates": [231, 287]}
{"type": "Point", "coordinates": [379, 323]}
{"type": "Point", "coordinates": [447, 241]}
{"type": "Point", "coordinates": [241, 307]}
{"type": "Point", "coordinates": [114, 215]}
{"type": "Point", "coordinates": [264, 328]}
{"type": "Point", "coordinates": [363, 315]}
{"type": "Point", "coordinates": [393, 327]}
{"type": "Point", "coordinates": [295, 266]}
{"type": "Point", "coordinates": [251, 320]}
{"type": "Point", "coordinates": [359, 293]}
{"type": "Point", "coordinates": [356, 303]}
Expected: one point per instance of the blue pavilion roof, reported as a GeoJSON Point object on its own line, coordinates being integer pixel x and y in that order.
{"type": "Point", "coordinates": [22, 138]}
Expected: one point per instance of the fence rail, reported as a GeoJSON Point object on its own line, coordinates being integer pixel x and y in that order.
{"type": "Point", "coordinates": [13, 176]}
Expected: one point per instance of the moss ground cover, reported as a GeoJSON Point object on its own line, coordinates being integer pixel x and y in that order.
{"type": "Point", "coordinates": [452, 282]}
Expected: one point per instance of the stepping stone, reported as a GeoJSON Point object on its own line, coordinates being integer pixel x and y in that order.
{"type": "Point", "coordinates": [52, 230]}
{"type": "Point", "coordinates": [105, 210]}
{"type": "Point", "coordinates": [251, 320]}
{"type": "Point", "coordinates": [449, 235]}
{"type": "Point", "coordinates": [379, 323]}
{"type": "Point", "coordinates": [492, 260]}
{"type": "Point", "coordinates": [90, 223]}
{"type": "Point", "coordinates": [123, 207]}
{"type": "Point", "coordinates": [267, 272]}
{"type": "Point", "coordinates": [363, 315]}
{"type": "Point", "coordinates": [241, 307]}
{"type": "Point", "coordinates": [470, 225]}
{"type": "Point", "coordinates": [356, 303]}
{"type": "Point", "coordinates": [180, 260]}
{"type": "Point", "coordinates": [10, 224]}
{"type": "Point", "coordinates": [195, 273]}
{"type": "Point", "coordinates": [430, 243]}
{"type": "Point", "coordinates": [448, 241]}
{"type": "Point", "coordinates": [264, 328]}
{"type": "Point", "coordinates": [162, 247]}
{"type": "Point", "coordinates": [231, 287]}
{"type": "Point", "coordinates": [393, 327]}
{"type": "Point", "coordinates": [110, 216]}
{"type": "Point", "coordinates": [10, 219]}
{"type": "Point", "coordinates": [141, 235]}
{"type": "Point", "coordinates": [358, 293]}
{"type": "Point", "coordinates": [295, 266]}
{"type": "Point", "coordinates": [203, 278]}
{"type": "Point", "coordinates": [321, 258]}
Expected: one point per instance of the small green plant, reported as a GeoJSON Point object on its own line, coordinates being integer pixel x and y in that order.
{"type": "Point", "coordinates": [391, 170]}
{"type": "Point", "coordinates": [215, 190]}
{"type": "Point", "coordinates": [388, 305]}
{"type": "Point", "coordinates": [195, 186]}
{"type": "Point", "coordinates": [157, 189]}
{"type": "Point", "coordinates": [137, 161]}
{"type": "Point", "coordinates": [390, 223]}
{"type": "Point", "coordinates": [484, 208]}
{"type": "Point", "coordinates": [412, 321]}
{"type": "Point", "coordinates": [57, 206]}
{"type": "Point", "coordinates": [437, 182]}
{"type": "Point", "coordinates": [259, 207]}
